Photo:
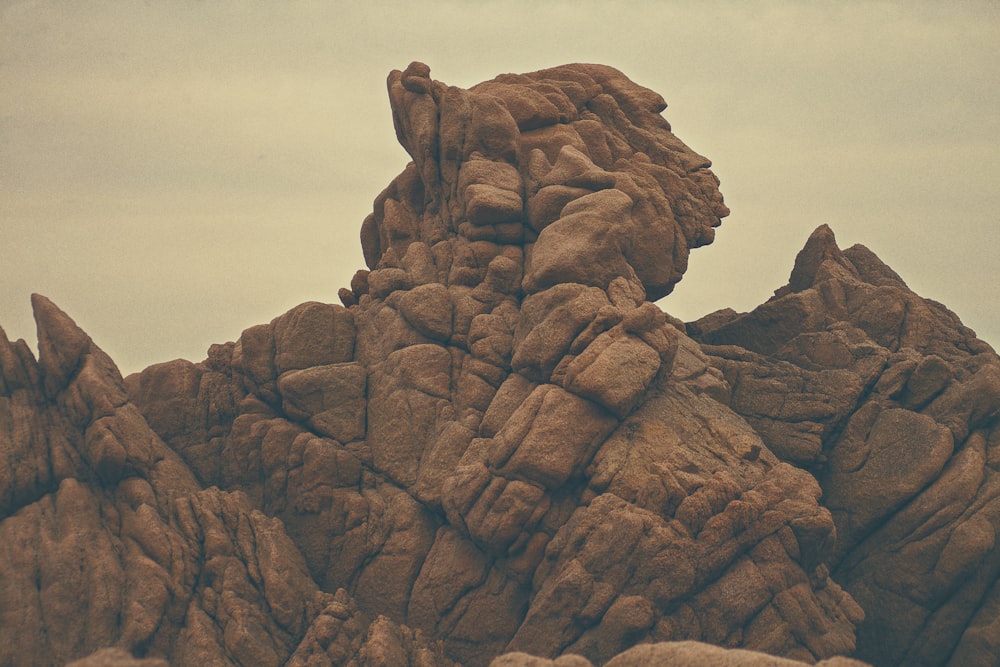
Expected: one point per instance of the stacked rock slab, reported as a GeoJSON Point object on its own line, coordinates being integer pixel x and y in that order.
{"type": "Point", "coordinates": [498, 444]}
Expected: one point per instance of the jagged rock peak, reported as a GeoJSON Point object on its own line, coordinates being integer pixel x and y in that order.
{"type": "Point", "coordinates": [828, 285]}
{"type": "Point", "coordinates": [820, 248]}
{"type": "Point", "coordinates": [821, 258]}
{"type": "Point", "coordinates": [574, 162]}
{"type": "Point", "coordinates": [61, 343]}
{"type": "Point", "coordinates": [894, 405]}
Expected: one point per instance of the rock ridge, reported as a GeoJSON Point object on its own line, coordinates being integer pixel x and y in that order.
{"type": "Point", "coordinates": [498, 449]}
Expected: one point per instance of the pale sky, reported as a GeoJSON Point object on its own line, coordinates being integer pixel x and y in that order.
{"type": "Point", "coordinates": [173, 172]}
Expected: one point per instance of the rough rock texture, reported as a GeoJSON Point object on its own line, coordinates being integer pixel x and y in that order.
{"type": "Point", "coordinates": [498, 444]}
{"type": "Point", "coordinates": [108, 539]}
{"type": "Point", "coordinates": [894, 406]}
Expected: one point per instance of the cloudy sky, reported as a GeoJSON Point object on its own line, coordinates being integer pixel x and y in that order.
{"type": "Point", "coordinates": [174, 171]}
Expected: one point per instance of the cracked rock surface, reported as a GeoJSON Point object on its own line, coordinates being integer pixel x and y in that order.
{"type": "Point", "coordinates": [498, 450]}
{"type": "Point", "coordinates": [893, 405]}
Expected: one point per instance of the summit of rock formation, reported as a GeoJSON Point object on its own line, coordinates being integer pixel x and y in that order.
{"type": "Point", "coordinates": [499, 450]}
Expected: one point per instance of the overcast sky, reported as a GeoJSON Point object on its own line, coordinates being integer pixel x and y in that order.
{"type": "Point", "coordinates": [173, 172]}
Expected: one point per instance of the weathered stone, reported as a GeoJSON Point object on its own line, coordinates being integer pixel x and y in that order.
{"type": "Point", "coordinates": [500, 445]}
{"type": "Point", "coordinates": [614, 371]}
{"type": "Point", "coordinates": [428, 309]}
{"type": "Point", "coordinates": [895, 404]}
{"type": "Point", "coordinates": [550, 322]}
{"type": "Point", "coordinates": [585, 245]}
{"type": "Point", "coordinates": [313, 334]}
{"type": "Point", "coordinates": [330, 398]}
{"type": "Point", "coordinates": [561, 432]}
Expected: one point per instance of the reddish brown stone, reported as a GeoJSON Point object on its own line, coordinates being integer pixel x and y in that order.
{"type": "Point", "coordinates": [500, 445]}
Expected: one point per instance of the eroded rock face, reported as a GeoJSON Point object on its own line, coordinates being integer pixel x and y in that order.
{"type": "Point", "coordinates": [543, 463]}
{"type": "Point", "coordinates": [574, 164]}
{"type": "Point", "coordinates": [498, 444]}
{"type": "Point", "coordinates": [894, 406]}
{"type": "Point", "coordinates": [109, 540]}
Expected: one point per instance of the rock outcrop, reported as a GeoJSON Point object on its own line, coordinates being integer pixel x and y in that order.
{"type": "Point", "coordinates": [109, 540]}
{"type": "Point", "coordinates": [893, 405]}
{"type": "Point", "coordinates": [499, 446]}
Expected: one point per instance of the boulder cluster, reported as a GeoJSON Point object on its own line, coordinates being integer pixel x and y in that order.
{"type": "Point", "coordinates": [498, 450]}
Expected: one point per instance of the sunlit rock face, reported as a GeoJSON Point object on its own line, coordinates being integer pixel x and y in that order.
{"type": "Point", "coordinates": [498, 446]}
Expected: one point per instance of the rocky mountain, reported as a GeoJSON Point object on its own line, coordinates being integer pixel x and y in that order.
{"type": "Point", "coordinates": [499, 450]}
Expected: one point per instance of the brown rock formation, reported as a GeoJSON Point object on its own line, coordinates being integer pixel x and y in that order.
{"type": "Point", "coordinates": [894, 406]}
{"type": "Point", "coordinates": [499, 444]}
{"type": "Point", "coordinates": [512, 484]}
{"type": "Point", "coordinates": [108, 539]}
